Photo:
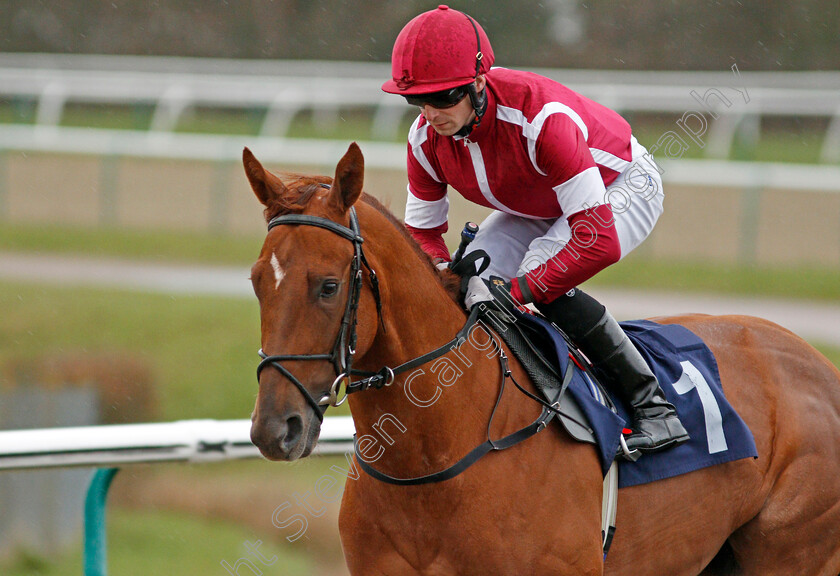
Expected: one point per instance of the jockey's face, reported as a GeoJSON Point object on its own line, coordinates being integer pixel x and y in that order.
{"type": "Point", "coordinates": [447, 121]}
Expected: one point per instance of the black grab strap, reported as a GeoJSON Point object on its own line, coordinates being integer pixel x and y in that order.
{"type": "Point", "coordinates": [466, 268]}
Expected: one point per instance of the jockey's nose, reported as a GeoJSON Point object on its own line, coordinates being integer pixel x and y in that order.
{"type": "Point", "coordinates": [430, 113]}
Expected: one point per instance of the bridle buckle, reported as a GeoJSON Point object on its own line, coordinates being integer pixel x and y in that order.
{"type": "Point", "coordinates": [332, 398]}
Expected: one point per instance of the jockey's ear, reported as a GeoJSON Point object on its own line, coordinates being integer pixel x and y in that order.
{"type": "Point", "coordinates": [266, 185]}
{"type": "Point", "coordinates": [349, 179]}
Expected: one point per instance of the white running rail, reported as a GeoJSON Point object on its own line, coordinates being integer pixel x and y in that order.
{"type": "Point", "coordinates": [121, 444]}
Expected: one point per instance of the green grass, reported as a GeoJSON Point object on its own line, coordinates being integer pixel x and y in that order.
{"type": "Point", "coordinates": [806, 283]}
{"type": "Point", "coordinates": [228, 121]}
{"type": "Point", "coordinates": [159, 245]}
{"type": "Point", "coordinates": [344, 124]}
{"type": "Point", "coordinates": [18, 111]}
{"type": "Point", "coordinates": [780, 140]}
{"type": "Point", "coordinates": [830, 352]}
{"type": "Point", "coordinates": [349, 125]}
{"type": "Point", "coordinates": [112, 117]}
{"type": "Point", "coordinates": [142, 543]}
{"type": "Point", "coordinates": [201, 351]}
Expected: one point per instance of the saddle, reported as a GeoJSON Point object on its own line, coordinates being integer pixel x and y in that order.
{"type": "Point", "coordinates": [535, 343]}
{"type": "Point", "coordinates": [538, 355]}
{"type": "Point", "coordinates": [685, 368]}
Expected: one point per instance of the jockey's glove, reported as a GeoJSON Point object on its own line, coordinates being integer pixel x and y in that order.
{"type": "Point", "coordinates": [494, 292]}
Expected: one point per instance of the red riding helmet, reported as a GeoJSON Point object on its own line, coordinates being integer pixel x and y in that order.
{"type": "Point", "coordinates": [438, 50]}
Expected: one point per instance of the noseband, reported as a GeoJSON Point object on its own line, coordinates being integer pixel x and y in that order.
{"type": "Point", "coordinates": [344, 347]}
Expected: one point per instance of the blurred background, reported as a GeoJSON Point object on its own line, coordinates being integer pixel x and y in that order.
{"type": "Point", "coordinates": [121, 128]}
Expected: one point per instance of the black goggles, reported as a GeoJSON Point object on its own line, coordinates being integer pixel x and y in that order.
{"type": "Point", "coordinates": [442, 99]}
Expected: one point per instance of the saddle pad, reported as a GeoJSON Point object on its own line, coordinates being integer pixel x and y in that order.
{"type": "Point", "coordinates": [688, 373]}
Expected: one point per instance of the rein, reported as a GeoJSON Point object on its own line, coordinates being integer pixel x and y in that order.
{"type": "Point", "coordinates": [344, 349]}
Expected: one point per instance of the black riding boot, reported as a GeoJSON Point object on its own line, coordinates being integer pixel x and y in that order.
{"type": "Point", "coordinates": [656, 425]}
{"type": "Point", "coordinates": [589, 324]}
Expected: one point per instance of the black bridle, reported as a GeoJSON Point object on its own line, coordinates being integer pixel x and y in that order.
{"type": "Point", "coordinates": [341, 355]}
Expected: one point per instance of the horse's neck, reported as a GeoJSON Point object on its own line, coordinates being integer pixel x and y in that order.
{"type": "Point", "coordinates": [418, 314]}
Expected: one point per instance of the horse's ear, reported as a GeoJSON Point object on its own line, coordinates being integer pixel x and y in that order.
{"type": "Point", "coordinates": [266, 185]}
{"type": "Point", "coordinates": [349, 178]}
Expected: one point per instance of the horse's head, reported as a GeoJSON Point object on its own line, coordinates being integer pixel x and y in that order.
{"type": "Point", "coordinates": [308, 283]}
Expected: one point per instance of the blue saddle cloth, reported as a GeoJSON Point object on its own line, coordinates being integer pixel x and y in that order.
{"type": "Point", "coordinates": [688, 373]}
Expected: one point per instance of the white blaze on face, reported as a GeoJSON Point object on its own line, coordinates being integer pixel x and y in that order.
{"type": "Point", "coordinates": [278, 272]}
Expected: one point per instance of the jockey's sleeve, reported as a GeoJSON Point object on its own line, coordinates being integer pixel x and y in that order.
{"type": "Point", "coordinates": [427, 204]}
{"type": "Point", "coordinates": [431, 241]}
{"type": "Point", "coordinates": [593, 246]}
{"type": "Point", "coordinates": [427, 221]}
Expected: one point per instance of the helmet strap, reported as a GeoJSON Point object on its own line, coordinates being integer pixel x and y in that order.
{"type": "Point", "coordinates": [478, 53]}
{"type": "Point", "coordinates": [479, 101]}
{"type": "Point", "coordinates": [479, 104]}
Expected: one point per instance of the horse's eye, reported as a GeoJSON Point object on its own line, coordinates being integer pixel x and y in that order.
{"type": "Point", "coordinates": [329, 288]}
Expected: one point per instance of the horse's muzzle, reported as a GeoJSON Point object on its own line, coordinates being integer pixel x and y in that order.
{"type": "Point", "coordinates": [285, 437]}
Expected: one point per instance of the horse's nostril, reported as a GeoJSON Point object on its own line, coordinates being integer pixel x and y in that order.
{"type": "Point", "coordinates": [278, 438]}
{"type": "Point", "coordinates": [294, 427]}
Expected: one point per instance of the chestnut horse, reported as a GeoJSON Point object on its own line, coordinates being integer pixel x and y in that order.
{"type": "Point", "coordinates": [534, 508]}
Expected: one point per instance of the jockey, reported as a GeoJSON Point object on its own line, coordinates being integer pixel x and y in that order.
{"type": "Point", "coordinates": [572, 189]}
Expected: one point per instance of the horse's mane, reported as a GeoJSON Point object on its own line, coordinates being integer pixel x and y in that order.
{"type": "Point", "coordinates": [306, 186]}
{"type": "Point", "coordinates": [450, 281]}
